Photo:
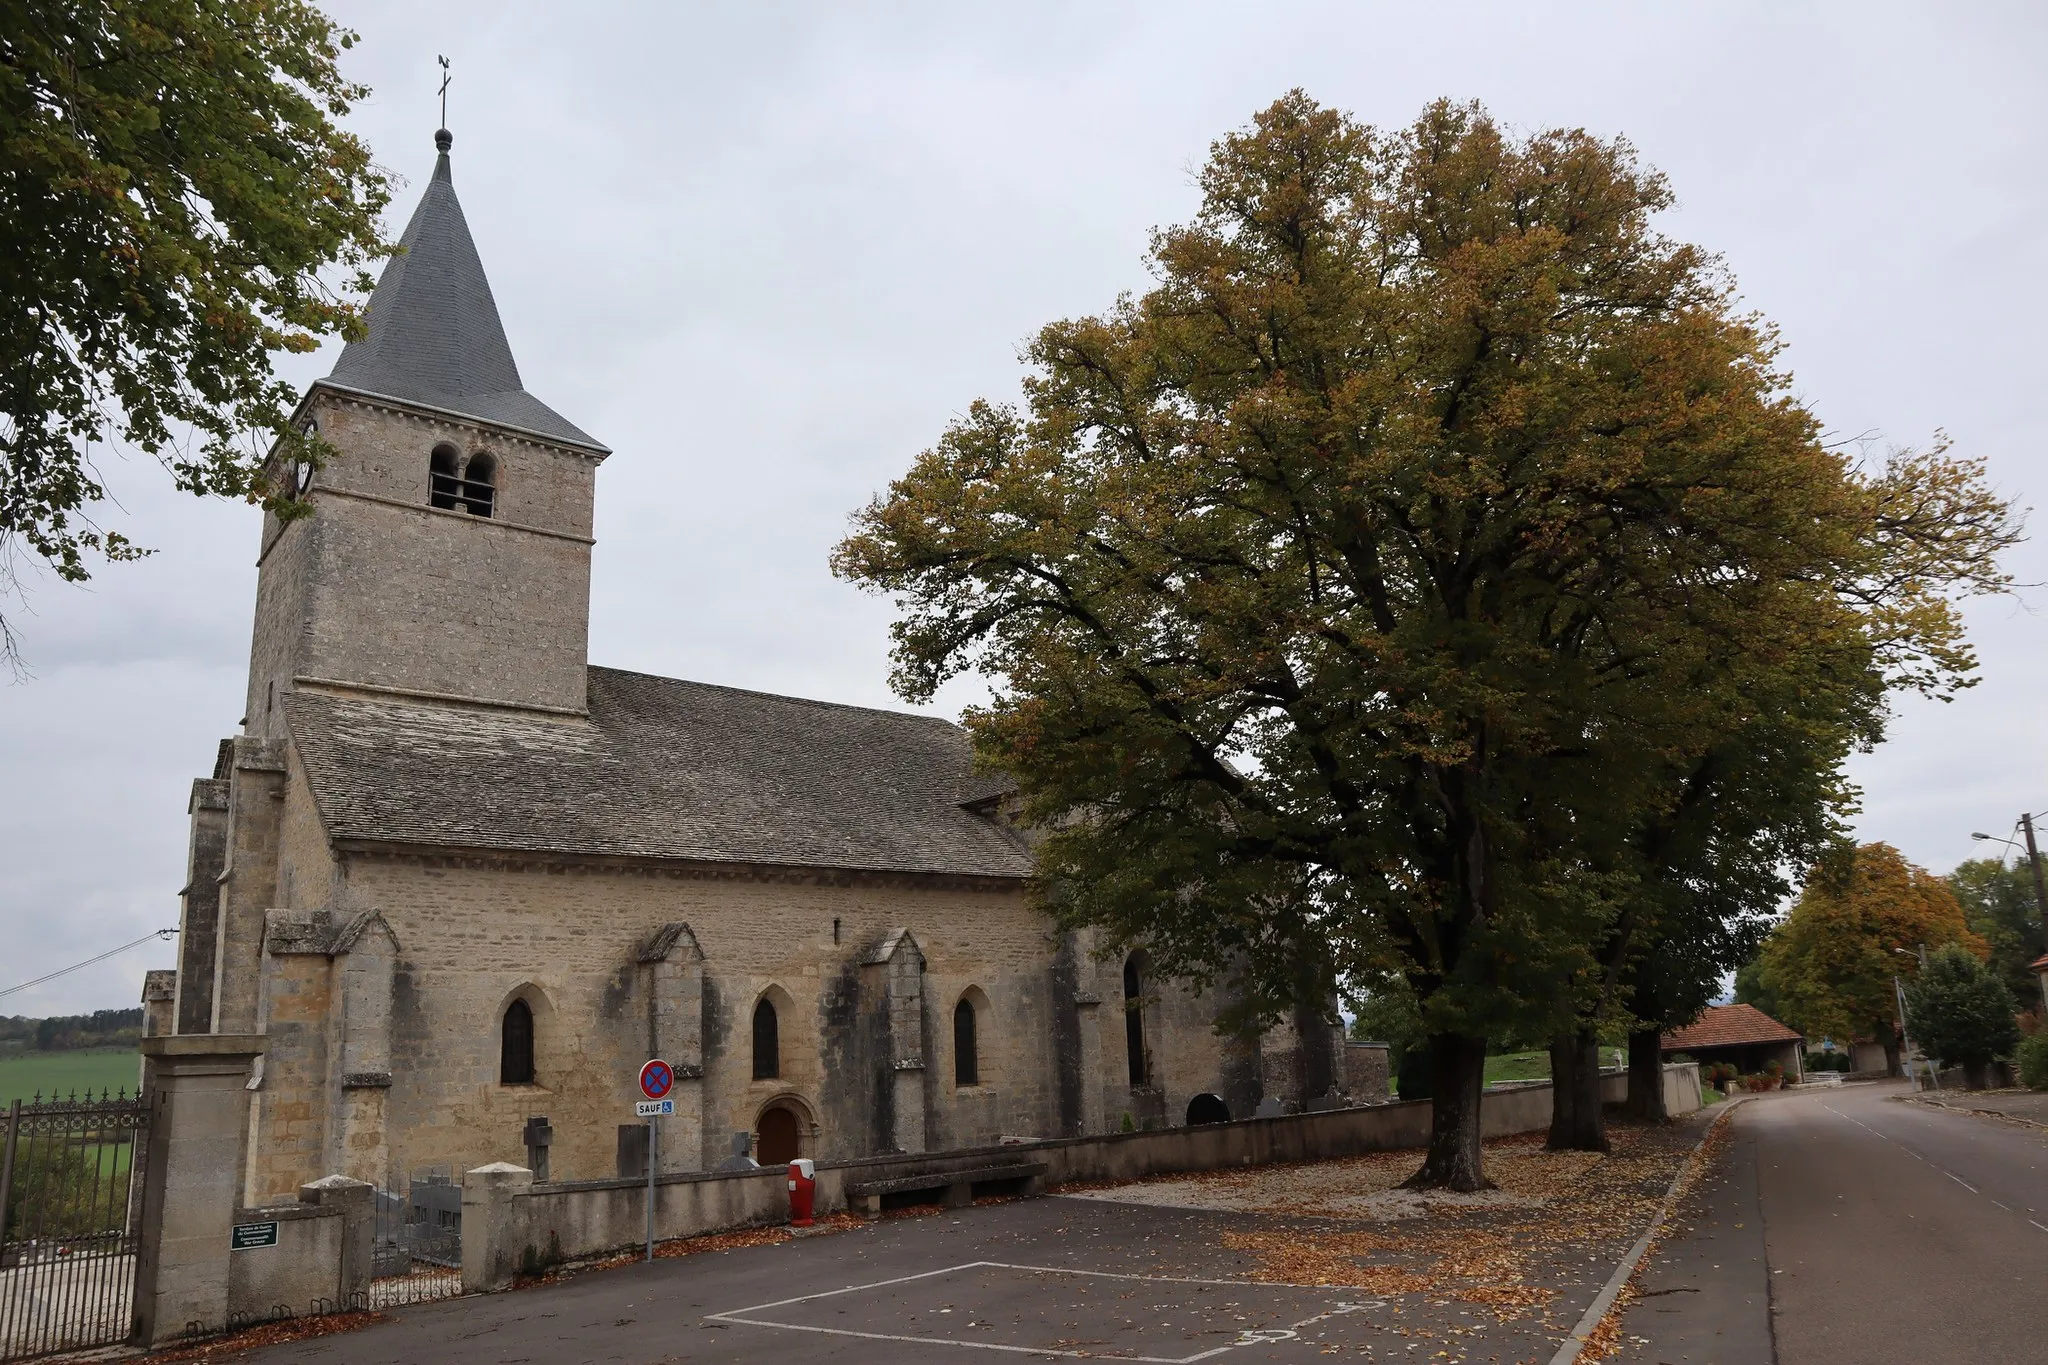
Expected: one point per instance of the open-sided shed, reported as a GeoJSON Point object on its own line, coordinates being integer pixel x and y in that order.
{"type": "Point", "coordinates": [1743, 1035]}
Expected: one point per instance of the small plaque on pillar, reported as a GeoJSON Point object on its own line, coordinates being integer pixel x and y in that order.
{"type": "Point", "coordinates": [249, 1236]}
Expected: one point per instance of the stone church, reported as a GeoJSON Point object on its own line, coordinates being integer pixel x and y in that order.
{"type": "Point", "coordinates": [460, 878]}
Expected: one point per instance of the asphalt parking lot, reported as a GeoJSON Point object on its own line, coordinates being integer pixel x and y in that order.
{"type": "Point", "coordinates": [1046, 1278]}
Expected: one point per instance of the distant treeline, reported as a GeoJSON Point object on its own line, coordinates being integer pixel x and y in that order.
{"type": "Point", "coordinates": [69, 1032]}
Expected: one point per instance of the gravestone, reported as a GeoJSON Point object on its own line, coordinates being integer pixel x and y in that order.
{"type": "Point", "coordinates": [741, 1158]}
{"type": "Point", "coordinates": [540, 1135]}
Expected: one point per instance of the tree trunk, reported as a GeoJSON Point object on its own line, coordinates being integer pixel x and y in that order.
{"type": "Point", "coordinates": [1973, 1075]}
{"type": "Point", "coordinates": [1575, 1122]}
{"type": "Point", "coordinates": [1893, 1062]}
{"type": "Point", "coordinates": [1457, 1075]}
{"type": "Point", "coordinates": [1646, 1076]}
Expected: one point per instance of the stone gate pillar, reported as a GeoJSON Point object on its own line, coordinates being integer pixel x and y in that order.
{"type": "Point", "coordinates": [192, 1181]}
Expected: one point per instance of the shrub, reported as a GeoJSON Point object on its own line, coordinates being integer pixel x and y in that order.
{"type": "Point", "coordinates": [2033, 1060]}
{"type": "Point", "coordinates": [1962, 1013]}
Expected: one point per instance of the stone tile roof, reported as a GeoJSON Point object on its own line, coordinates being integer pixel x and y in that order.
{"type": "Point", "coordinates": [434, 336]}
{"type": "Point", "coordinates": [663, 769]}
{"type": "Point", "coordinates": [1729, 1026]}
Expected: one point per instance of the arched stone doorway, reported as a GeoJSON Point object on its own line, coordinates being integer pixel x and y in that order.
{"type": "Point", "coordinates": [781, 1134]}
{"type": "Point", "coordinates": [1207, 1109]}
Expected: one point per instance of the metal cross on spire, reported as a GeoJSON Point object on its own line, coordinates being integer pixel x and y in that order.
{"type": "Point", "coordinates": [446, 76]}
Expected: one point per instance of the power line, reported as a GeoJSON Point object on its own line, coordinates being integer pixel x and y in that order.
{"type": "Point", "coordinates": [66, 971]}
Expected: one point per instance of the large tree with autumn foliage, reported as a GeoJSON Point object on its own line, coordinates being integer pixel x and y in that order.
{"type": "Point", "coordinates": [1860, 923]}
{"type": "Point", "coordinates": [1350, 595]}
{"type": "Point", "coordinates": [178, 204]}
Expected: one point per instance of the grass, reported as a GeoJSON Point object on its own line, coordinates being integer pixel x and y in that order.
{"type": "Point", "coordinates": [60, 1073]}
{"type": "Point", "coordinates": [1518, 1066]}
{"type": "Point", "coordinates": [1531, 1066]}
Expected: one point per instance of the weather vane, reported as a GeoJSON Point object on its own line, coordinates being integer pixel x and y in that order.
{"type": "Point", "coordinates": [446, 76]}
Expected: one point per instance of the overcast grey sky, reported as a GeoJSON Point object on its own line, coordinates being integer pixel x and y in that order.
{"type": "Point", "coordinates": [766, 251]}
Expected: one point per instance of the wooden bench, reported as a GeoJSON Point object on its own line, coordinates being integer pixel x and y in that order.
{"type": "Point", "coordinates": [865, 1198]}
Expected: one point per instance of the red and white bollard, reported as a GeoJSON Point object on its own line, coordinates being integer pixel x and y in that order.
{"type": "Point", "coordinates": [803, 1191]}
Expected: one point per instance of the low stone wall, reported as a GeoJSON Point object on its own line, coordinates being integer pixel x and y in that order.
{"type": "Point", "coordinates": [512, 1226]}
{"type": "Point", "coordinates": [319, 1263]}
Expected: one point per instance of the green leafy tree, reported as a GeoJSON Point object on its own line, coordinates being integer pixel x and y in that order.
{"type": "Point", "coordinates": [1752, 989]}
{"type": "Point", "coordinates": [1767, 795]}
{"type": "Point", "coordinates": [173, 193]}
{"type": "Point", "coordinates": [1349, 594]}
{"type": "Point", "coordinates": [1859, 923]}
{"type": "Point", "coordinates": [1959, 1011]}
{"type": "Point", "coordinates": [2001, 907]}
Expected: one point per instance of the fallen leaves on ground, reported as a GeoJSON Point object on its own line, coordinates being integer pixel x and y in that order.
{"type": "Point", "coordinates": [1606, 1338]}
{"type": "Point", "coordinates": [269, 1334]}
{"type": "Point", "coordinates": [1502, 1250]}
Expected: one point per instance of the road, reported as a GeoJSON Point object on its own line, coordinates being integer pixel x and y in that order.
{"type": "Point", "coordinates": [1845, 1227]}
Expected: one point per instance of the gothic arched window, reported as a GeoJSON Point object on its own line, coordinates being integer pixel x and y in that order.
{"type": "Point", "coordinates": [515, 1045]}
{"type": "Point", "coordinates": [480, 484]}
{"type": "Point", "coordinates": [1134, 1022]}
{"type": "Point", "coordinates": [767, 1043]}
{"type": "Point", "coordinates": [966, 1056]}
{"type": "Point", "coordinates": [444, 477]}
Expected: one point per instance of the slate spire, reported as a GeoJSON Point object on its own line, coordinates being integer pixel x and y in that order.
{"type": "Point", "coordinates": [434, 335]}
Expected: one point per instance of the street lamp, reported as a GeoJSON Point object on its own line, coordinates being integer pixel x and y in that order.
{"type": "Point", "coordinates": [2033, 862]}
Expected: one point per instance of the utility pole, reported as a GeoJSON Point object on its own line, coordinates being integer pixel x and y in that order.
{"type": "Point", "coordinates": [2034, 859]}
{"type": "Point", "coordinates": [2040, 892]}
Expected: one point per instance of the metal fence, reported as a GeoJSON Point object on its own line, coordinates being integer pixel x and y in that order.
{"type": "Point", "coordinates": [418, 1245]}
{"type": "Point", "coordinates": [70, 1208]}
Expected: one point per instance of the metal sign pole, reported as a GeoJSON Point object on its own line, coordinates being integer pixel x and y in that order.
{"type": "Point", "coordinates": [657, 1078]}
{"type": "Point", "coordinates": [653, 1130]}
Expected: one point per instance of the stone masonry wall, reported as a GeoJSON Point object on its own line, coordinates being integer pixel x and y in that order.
{"type": "Point", "coordinates": [248, 883]}
{"type": "Point", "coordinates": [471, 934]}
{"type": "Point", "coordinates": [379, 587]}
{"type": "Point", "coordinates": [199, 904]}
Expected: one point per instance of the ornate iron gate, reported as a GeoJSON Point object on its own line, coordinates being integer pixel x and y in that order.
{"type": "Point", "coordinates": [418, 1243]}
{"type": "Point", "coordinates": [70, 1208]}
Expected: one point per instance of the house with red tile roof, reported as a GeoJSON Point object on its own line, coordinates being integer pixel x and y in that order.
{"type": "Point", "coordinates": [1743, 1035]}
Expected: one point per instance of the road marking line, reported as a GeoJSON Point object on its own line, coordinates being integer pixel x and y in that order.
{"type": "Point", "coordinates": [851, 1289]}
{"type": "Point", "coordinates": [2042, 1226]}
{"type": "Point", "coordinates": [950, 1341]}
{"type": "Point", "coordinates": [1256, 1336]}
{"type": "Point", "coordinates": [1158, 1279]}
{"type": "Point", "coordinates": [1917, 1157]}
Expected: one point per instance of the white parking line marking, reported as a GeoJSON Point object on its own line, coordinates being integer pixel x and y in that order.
{"type": "Point", "coordinates": [1255, 1336]}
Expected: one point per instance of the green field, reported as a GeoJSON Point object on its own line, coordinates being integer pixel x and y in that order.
{"type": "Point", "coordinates": [60, 1073]}
{"type": "Point", "coordinates": [1518, 1066]}
{"type": "Point", "coordinates": [1533, 1066]}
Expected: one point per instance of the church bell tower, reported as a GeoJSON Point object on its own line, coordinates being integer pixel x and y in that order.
{"type": "Point", "coordinates": [447, 556]}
